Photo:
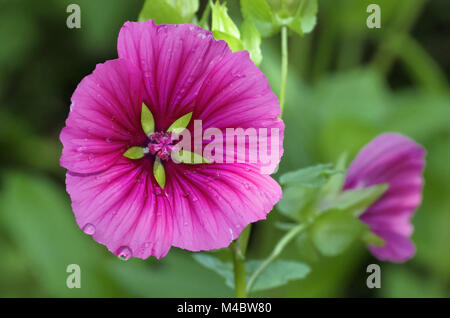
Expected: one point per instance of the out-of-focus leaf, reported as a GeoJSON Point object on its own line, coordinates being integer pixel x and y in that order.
{"type": "Point", "coordinates": [176, 275]}
{"type": "Point", "coordinates": [186, 8]}
{"type": "Point", "coordinates": [261, 13]}
{"type": "Point", "coordinates": [372, 239]}
{"type": "Point", "coordinates": [224, 269]}
{"type": "Point", "coordinates": [305, 19]}
{"type": "Point", "coordinates": [334, 231]}
{"type": "Point", "coordinates": [277, 274]}
{"type": "Point", "coordinates": [402, 282]}
{"type": "Point", "coordinates": [306, 248]}
{"type": "Point", "coordinates": [251, 40]}
{"type": "Point", "coordinates": [310, 177]}
{"type": "Point", "coordinates": [355, 200]}
{"type": "Point", "coordinates": [300, 190]}
{"type": "Point", "coordinates": [39, 220]}
{"type": "Point", "coordinates": [296, 202]}
{"type": "Point", "coordinates": [161, 12]}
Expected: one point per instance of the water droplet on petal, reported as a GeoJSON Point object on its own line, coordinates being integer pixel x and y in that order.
{"type": "Point", "coordinates": [108, 140]}
{"type": "Point", "coordinates": [124, 253]}
{"type": "Point", "coordinates": [89, 229]}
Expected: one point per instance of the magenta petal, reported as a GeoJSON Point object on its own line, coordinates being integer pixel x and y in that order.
{"type": "Point", "coordinates": [213, 203]}
{"type": "Point", "coordinates": [399, 248]}
{"type": "Point", "coordinates": [397, 161]}
{"type": "Point", "coordinates": [174, 59]}
{"type": "Point", "coordinates": [175, 70]}
{"type": "Point", "coordinates": [186, 70]}
{"type": "Point", "coordinates": [123, 209]}
{"type": "Point", "coordinates": [104, 119]}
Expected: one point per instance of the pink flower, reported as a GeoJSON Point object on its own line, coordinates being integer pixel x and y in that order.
{"type": "Point", "coordinates": [174, 70]}
{"type": "Point", "coordinates": [397, 161]}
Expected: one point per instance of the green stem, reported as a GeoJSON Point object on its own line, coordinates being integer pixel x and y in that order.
{"type": "Point", "coordinates": [285, 240]}
{"type": "Point", "coordinates": [284, 66]}
{"type": "Point", "coordinates": [239, 271]}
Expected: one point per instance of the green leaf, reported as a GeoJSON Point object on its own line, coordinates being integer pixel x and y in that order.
{"type": "Point", "coordinates": [372, 239]}
{"type": "Point", "coordinates": [277, 274]}
{"type": "Point", "coordinates": [258, 9]}
{"type": "Point", "coordinates": [298, 202]}
{"type": "Point", "coordinates": [305, 19]}
{"type": "Point", "coordinates": [235, 44]}
{"type": "Point", "coordinates": [180, 124]}
{"type": "Point", "coordinates": [224, 269]}
{"type": "Point", "coordinates": [186, 8]}
{"type": "Point", "coordinates": [159, 173]}
{"type": "Point", "coordinates": [161, 12]}
{"type": "Point", "coordinates": [37, 221]}
{"type": "Point", "coordinates": [312, 177]}
{"type": "Point", "coordinates": [188, 157]}
{"type": "Point", "coordinates": [357, 200]}
{"type": "Point", "coordinates": [134, 153]}
{"type": "Point", "coordinates": [251, 40]}
{"type": "Point", "coordinates": [222, 22]}
{"type": "Point", "coordinates": [261, 13]}
{"type": "Point", "coordinates": [306, 249]}
{"type": "Point", "coordinates": [335, 183]}
{"type": "Point", "coordinates": [301, 189]}
{"type": "Point", "coordinates": [147, 120]}
{"type": "Point", "coordinates": [334, 231]}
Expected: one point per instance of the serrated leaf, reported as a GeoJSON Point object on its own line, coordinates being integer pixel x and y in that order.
{"type": "Point", "coordinates": [159, 173]}
{"type": "Point", "coordinates": [251, 40]}
{"type": "Point", "coordinates": [188, 157]}
{"type": "Point", "coordinates": [222, 22]}
{"type": "Point", "coordinates": [180, 124]}
{"type": "Point", "coordinates": [355, 200]}
{"type": "Point", "coordinates": [334, 231]}
{"type": "Point", "coordinates": [134, 153]}
{"type": "Point", "coordinates": [161, 12]}
{"type": "Point", "coordinates": [147, 120]}
{"type": "Point", "coordinates": [277, 274]}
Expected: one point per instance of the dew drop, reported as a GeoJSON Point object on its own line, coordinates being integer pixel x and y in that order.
{"type": "Point", "coordinates": [124, 253]}
{"type": "Point", "coordinates": [108, 140]}
{"type": "Point", "coordinates": [89, 229]}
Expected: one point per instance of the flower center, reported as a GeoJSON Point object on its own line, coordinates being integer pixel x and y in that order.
{"type": "Point", "coordinates": [161, 144]}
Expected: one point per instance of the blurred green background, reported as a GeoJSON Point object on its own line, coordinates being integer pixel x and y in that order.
{"type": "Point", "coordinates": [347, 83]}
